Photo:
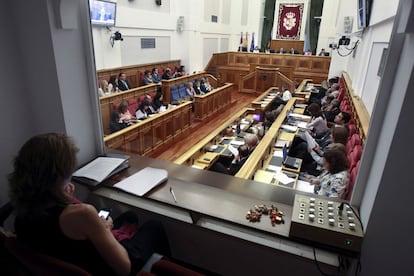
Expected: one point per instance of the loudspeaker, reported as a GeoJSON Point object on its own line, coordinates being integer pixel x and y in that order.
{"type": "Point", "coordinates": [158, 2]}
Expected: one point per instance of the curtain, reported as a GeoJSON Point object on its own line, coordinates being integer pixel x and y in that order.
{"type": "Point", "coordinates": [315, 10]}
{"type": "Point", "coordinates": [269, 15]}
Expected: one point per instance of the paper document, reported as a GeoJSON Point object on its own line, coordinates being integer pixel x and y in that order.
{"type": "Point", "coordinates": [305, 186]}
{"type": "Point", "coordinates": [236, 142]}
{"type": "Point", "coordinates": [300, 116]}
{"type": "Point", "coordinates": [283, 178]}
{"type": "Point", "coordinates": [289, 128]}
{"type": "Point", "coordinates": [302, 124]}
{"type": "Point", "coordinates": [280, 143]}
{"type": "Point", "coordinates": [100, 168]}
{"type": "Point", "coordinates": [143, 181]}
{"type": "Point", "coordinates": [233, 150]}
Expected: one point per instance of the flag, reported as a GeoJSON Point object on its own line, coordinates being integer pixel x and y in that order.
{"type": "Point", "coordinates": [252, 44]}
{"type": "Point", "coordinates": [246, 41]}
{"type": "Point", "coordinates": [241, 42]}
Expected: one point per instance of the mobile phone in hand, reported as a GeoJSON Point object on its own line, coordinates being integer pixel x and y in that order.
{"type": "Point", "coordinates": [104, 213]}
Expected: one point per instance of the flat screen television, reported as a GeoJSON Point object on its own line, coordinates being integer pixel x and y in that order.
{"type": "Point", "coordinates": [103, 13]}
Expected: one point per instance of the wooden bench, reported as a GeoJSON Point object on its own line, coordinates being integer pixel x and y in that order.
{"type": "Point", "coordinates": [148, 135]}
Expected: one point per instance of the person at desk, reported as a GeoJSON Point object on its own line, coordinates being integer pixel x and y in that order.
{"type": "Point", "coordinates": [281, 51]}
{"type": "Point", "coordinates": [48, 222]}
{"type": "Point", "coordinates": [123, 84]}
{"type": "Point", "coordinates": [318, 124]}
{"type": "Point", "coordinates": [322, 53]}
{"type": "Point", "coordinates": [292, 51]}
{"type": "Point", "coordinates": [251, 140]}
{"type": "Point", "coordinates": [334, 181]}
{"type": "Point", "coordinates": [116, 123]}
{"type": "Point", "coordinates": [235, 165]}
{"type": "Point", "coordinates": [143, 110]}
{"type": "Point", "coordinates": [157, 102]}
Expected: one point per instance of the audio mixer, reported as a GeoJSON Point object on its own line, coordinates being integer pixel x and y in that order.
{"type": "Point", "coordinates": [322, 221]}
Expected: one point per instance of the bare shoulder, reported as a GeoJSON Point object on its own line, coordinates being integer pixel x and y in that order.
{"type": "Point", "coordinates": [78, 219]}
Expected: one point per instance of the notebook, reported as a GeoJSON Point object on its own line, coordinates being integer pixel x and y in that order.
{"type": "Point", "coordinates": [100, 169]}
{"type": "Point", "coordinates": [143, 181]}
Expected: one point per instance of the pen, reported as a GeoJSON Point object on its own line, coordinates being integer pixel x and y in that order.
{"type": "Point", "coordinates": [172, 192]}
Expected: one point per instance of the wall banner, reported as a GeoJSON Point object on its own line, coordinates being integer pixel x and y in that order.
{"type": "Point", "coordinates": [290, 21]}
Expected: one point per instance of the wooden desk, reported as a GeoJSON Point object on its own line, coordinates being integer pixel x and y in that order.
{"type": "Point", "coordinates": [265, 101]}
{"type": "Point", "coordinates": [269, 178]}
{"type": "Point", "coordinates": [211, 210]}
{"type": "Point", "coordinates": [146, 136]}
{"type": "Point", "coordinates": [212, 102]}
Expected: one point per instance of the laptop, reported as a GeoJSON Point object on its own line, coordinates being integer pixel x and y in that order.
{"type": "Point", "coordinates": [288, 161]}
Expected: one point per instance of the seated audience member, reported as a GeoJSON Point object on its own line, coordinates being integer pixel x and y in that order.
{"type": "Point", "coordinates": [292, 51]}
{"type": "Point", "coordinates": [157, 102]}
{"type": "Point", "coordinates": [123, 83]}
{"type": "Point", "coordinates": [251, 141]}
{"type": "Point", "coordinates": [326, 101]}
{"type": "Point", "coordinates": [167, 74]}
{"type": "Point", "coordinates": [143, 110]}
{"type": "Point", "coordinates": [322, 53]}
{"type": "Point", "coordinates": [104, 88]}
{"type": "Point", "coordinates": [342, 119]}
{"type": "Point", "coordinates": [116, 123]}
{"type": "Point", "coordinates": [147, 77]}
{"type": "Point", "coordinates": [235, 165]}
{"type": "Point", "coordinates": [332, 110]}
{"type": "Point", "coordinates": [286, 96]}
{"type": "Point", "coordinates": [334, 180]}
{"type": "Point", "coordinates": [113, 84]}
{"type": "Point", "coordinates": [338, 134]}
{"type": "Point", "coordinates": [281, 51]}
{"type": "Point", "coordinates": [156, 78]}
{"type": "Point", "coordinates": [318, 124]}
{"type": "Point", "coordinates": [47, 221]}
{"type": "Point", "coordinates": [269, 118]}
{"type": "Point", "coordinates": [256, 49]}
{"type": "Point", "coordinates": [125, 115]}
{"type": "Point", "coordinates": [308, 53]}
{"type": "Point", "coordinates": [179, 72]}
{"type": "Point", "coordinates": [205, 85]}
{"type": "Point", "coordinates": [197, 87]}
{"type": "Point", "coordinates": [189, 89]}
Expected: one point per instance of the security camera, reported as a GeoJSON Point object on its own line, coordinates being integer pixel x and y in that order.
{"type": "Point", "coordinates": [344, 40]}
{"type": "Point", "coordinates": [118, 36]}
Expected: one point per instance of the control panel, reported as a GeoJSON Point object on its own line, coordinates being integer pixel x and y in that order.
{"type": "Point", "coordinates": [323, 221]}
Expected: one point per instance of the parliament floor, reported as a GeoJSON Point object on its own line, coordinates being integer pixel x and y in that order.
{"type": "Point", "coordinates": [200, 129]}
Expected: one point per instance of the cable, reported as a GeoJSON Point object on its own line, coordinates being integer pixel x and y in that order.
{"type": "Point", "coordinates": [341, 207]}
{"type": "Point", "coordinates": [351, 50]}
{"type": "Point", "coordinates": [319, 268]}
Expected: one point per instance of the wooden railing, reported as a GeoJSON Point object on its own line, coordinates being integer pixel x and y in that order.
{"type": "Point", "coordinates": [107, 102]}
{"type": "Point", "coordinates": [232, 66]}
{"type": "Point", "coordinates": [147, 136]}
{"type": "Point", "coordinates": [262, 79]}
{"type": "Point", "coordinates": [264, 149]}
{"type": "Point", "coordinates": [133, 72]}
{"type": "Point", "coordinates": [359, 111]}
{"type": "Point", "coordinates": [212, 102]}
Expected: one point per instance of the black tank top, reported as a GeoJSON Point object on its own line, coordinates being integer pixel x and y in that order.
{"type": "Point", "coordinates": [44, 235]}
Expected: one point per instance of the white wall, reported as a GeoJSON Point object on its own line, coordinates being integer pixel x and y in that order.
{"type": "Point", "coordinates": [142, 18]}
{"type": "Point", "coordinates": [50, 86]}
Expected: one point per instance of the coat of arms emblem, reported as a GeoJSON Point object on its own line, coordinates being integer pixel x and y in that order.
{"type": "Point", "coordinates": [289, 21]}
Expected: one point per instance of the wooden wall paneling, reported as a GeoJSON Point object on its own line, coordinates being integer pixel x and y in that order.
{"type": "Point", "coordinates": [264, 60]}
{"type": "Point", "coordinates": [116, 143]}
{"type": "Point", "coordinates": [132, 142]}
{"type": "Point", "coordinates": [169, 128]}
{"type": "Point", "coordinates": [186, 118]}
{"type": "Point", "coordinates": [145, 133]}
{"type": "Point", "coordinates": [177, 124]}
{"type": "Point", "coordinates": [158, 132]}
{"type": "Point", "coordinates": [276, 60]}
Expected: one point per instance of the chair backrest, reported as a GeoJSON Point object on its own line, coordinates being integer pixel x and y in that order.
{"type": "Point", "coordinates": [31, 262]}
{"type": "Point", "coordinates": [175, 96]}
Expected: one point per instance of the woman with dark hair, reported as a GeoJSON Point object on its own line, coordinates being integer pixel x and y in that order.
{"type": "Point", "coordinates": [125, 115]}
{"type": "Point", "coordinates": [333, 182]}
{"type": "Point", "coordinates": [318, 123]}
{"type": "Point", "coordinates": [116, 123]}
{"type": "Point", "coordinates": [157, 102]}
{"type": "Point", "coordinates": [48, 222]}
{"type": "Point", "coordinates": [113, 84]}
{"type": "Point", "coordinates": [143, 110]}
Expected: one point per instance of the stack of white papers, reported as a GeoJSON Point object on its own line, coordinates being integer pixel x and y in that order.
{"type": "Point", "coordinates": [100, 169]}
{"type": "Point", "coordinates": [289, 128]}
{"type": "Point", "coordinates": [283, 178]}
{"type": "Point", "coordinates": [143, 181]}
